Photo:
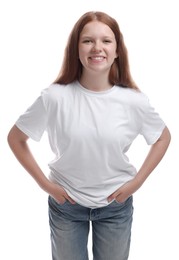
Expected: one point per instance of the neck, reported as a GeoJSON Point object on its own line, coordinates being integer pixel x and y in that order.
{"type": "Point", "coordinates": [95, 83]}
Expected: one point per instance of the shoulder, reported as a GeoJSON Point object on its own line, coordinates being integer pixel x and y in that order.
{"type": "Point", "coordinates": [57, 91]}
{"type": "Point", "coordinates": [132, 97]}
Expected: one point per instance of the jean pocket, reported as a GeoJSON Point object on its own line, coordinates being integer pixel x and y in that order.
{"type": "Point", "coordinates": [118, 202]}
{"type": "Point", "coordinates": [124, 202]}
{"type": "Point", "coordinates": [52, 201]}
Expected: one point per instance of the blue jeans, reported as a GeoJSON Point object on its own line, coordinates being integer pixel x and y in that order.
{"type": "Point", "coordinates": [111, 230]}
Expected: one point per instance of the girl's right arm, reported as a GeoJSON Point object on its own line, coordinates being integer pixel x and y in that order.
{"type": "Point", "coordinates": [18, 143]}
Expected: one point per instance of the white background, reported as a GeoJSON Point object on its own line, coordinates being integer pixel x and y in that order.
{"type": "Point", "coordinates": [33, 37]}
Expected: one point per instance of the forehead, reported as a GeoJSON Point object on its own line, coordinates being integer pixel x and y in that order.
{"type": "Point", "coordinates": [96, 28]}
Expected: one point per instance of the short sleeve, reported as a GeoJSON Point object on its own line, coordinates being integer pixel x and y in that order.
{"type": "Point", "coordinates": [152, 124]}
{"type": "Point", "coordinates": [34, 121]}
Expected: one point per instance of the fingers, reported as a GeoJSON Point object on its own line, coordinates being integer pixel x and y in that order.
{"type": "Point", "coordinates": [60, 195]}
{"type": "Point", "coordinates": [62, 199]}
{"type": "Point", "coordinates": [67, 197]}
{"type": "Point", "coordinates": [113, 196]}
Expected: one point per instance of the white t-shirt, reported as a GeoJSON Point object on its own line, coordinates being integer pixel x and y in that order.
{"type": "Point", "coordinates": [90, 133]}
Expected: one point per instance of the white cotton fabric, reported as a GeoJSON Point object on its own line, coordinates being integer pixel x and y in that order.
{"type": "Point", "coordinates": [90, 133]}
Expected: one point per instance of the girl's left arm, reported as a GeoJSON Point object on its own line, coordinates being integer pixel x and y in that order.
{"type": "Point", "coordinates": [153, 158]}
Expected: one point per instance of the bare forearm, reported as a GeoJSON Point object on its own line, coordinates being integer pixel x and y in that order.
{"type": "Point", "coordinates": [18, 143]}
{"type": "Point", "coordinates": [23, 154]}
{"type": "Point", "coordinates": [154, 156]}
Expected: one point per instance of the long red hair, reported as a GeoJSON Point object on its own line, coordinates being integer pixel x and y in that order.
{"type": "Point", "coordinates": [71, 69]}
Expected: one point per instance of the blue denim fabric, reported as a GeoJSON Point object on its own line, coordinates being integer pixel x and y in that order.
{"type": "Point", "coordinates": [111, 230]}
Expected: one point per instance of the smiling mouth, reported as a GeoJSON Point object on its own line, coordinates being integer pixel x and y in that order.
{"type": "Point", "coordinates": [97, 58]}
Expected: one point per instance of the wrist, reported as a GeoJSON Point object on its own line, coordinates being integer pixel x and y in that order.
{"type": "Point", "coordinates": [45, 184]}
{"type": "Point", "coordinates": [138, 180]}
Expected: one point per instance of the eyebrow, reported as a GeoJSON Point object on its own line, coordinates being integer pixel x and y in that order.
{"type": "Point", "coordinates": [89, 36]}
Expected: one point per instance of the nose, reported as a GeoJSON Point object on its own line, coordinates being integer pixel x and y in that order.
{"type": "Point", "coordinates": [97, 47]}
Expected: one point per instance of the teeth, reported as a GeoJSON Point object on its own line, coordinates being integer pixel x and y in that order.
{"type": "Point", "coordinates": [97, 58]}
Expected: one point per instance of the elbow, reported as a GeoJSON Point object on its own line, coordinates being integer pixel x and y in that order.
{"type": "Point", "coordinates": [15, 137]}
{"type": "Point", "coordinates": [167, 136]}
{"type": "Point", "coordinates": [10, 138]}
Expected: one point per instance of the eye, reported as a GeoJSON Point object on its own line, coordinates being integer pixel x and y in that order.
{"type": "Point", "coordinates": [87, 41]}
{"type": "Point", "coordinates": [107, 41]}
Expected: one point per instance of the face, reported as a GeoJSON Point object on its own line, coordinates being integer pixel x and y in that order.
{"type": "Point", "coordinates": [97, 47]}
